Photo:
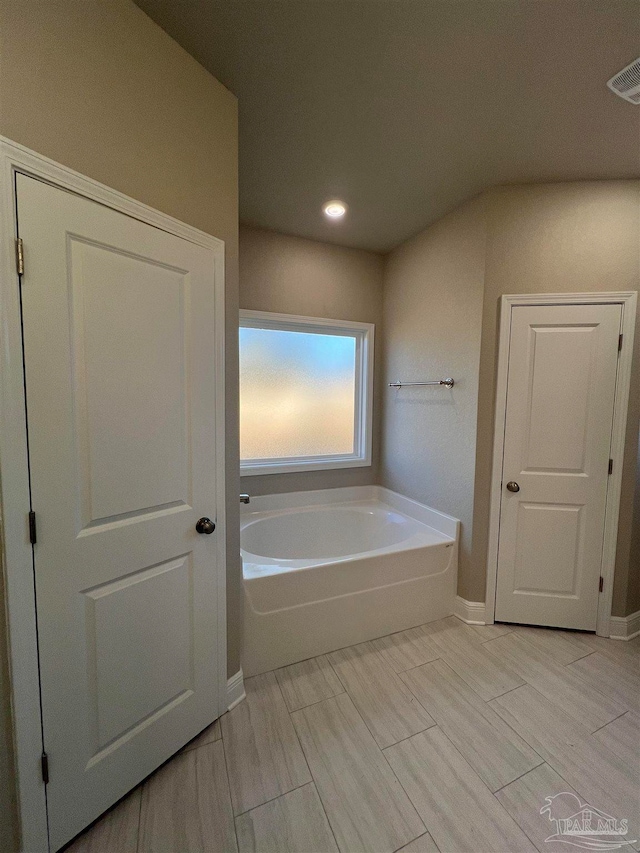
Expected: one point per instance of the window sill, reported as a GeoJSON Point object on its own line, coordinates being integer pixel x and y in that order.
{"type": "Point", "coordinates": [252, 469]}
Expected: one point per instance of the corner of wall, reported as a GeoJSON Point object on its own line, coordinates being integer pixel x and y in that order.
{"type": "Point", "coordinates": [433, 292]}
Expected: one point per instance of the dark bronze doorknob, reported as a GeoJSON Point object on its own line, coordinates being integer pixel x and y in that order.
{"type": "Point", "coordinates": [205, 525]}
{"type": "Point", "coordinates": [513, 486]}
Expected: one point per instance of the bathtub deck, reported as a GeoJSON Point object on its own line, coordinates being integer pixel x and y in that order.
{"type": "Point", "coordinates": [446, 737]}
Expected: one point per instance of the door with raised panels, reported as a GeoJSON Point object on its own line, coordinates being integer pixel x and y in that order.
{"type": "Point", "coordinates": [563, 362]}
{"type": "Point", "coordinates": [119, 356]}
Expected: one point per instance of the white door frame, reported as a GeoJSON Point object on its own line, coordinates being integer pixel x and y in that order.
{"type": "Point", "coordinates": [628, 300]}
{"type": "Point", "coordinates": [17, 553]}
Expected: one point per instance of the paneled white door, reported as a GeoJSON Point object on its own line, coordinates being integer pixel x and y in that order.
{"type": "Point", "coordinates": [119, 352]}
{"type": "Point", "coordinates": [563, 362]}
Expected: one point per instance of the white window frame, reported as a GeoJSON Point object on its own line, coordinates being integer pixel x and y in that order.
{"type": "Point", "coordinates": [363, 333]}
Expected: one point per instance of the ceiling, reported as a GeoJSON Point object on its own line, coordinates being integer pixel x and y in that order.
{"type": "Point", "coordinates": [405, 108]}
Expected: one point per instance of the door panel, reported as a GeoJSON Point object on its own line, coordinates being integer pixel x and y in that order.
{"type": "Point", "coordinates": [560, 396]}
{"type": "Point", "coordinates": [559, 383]}
{"type": "Point", "coordinates": [120, 360]}
{"type": "Point", "coordinates": [128, 621]}
{"type": "Point", "coordinates": [534, 572]}
{"type": "Point", "coordinates": [128, 311]}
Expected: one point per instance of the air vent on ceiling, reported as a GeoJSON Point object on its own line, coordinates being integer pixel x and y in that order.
{"type": "Point", "coordinates": [626, 83]}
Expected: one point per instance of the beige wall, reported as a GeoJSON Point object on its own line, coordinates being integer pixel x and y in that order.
{"type": "Point", "coordinates": [95, 85]}
{"type": "Point", "coordinates": [433, 289]}
{"type": "Point", "coordinates": [558, 238]}
{"type": "Point", "coordinates": [290, 275]}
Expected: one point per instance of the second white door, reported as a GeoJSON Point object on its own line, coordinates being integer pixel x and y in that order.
{"type": "Point", "coordinates": [563, 362]}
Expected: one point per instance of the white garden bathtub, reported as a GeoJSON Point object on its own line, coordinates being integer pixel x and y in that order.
{"type": "Point", "coordinates": [327, 569]}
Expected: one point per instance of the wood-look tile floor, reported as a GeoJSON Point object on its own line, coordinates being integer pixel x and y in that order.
{"type": "Point", "coordinates": [443, 738]}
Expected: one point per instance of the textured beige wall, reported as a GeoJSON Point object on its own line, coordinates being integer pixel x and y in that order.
{"type": "Point", "coordinates": [557, 238]}
{"type": "Point", "coordinates": [97, 86]}
{"type": "Point", "coordinates": [433, 291]}
{"type": "Point", "coordinates": [290, 275]}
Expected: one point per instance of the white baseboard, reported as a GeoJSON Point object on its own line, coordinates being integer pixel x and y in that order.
{"type": "Point", "coordinates": [624, 627]}
{"type": "Point", "coordinates": [471, 612]}
{"type": "Point", "coordinates": [620, 627]}
{"type": "Point", "coordinates": [235, 689]}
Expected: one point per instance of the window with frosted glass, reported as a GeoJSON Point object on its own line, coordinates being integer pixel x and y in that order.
{"type": "Point", "coordinates": [301, 394]}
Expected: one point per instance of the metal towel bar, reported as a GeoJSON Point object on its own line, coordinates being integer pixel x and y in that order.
{"type": "Point", "coordinates": [448, 383]}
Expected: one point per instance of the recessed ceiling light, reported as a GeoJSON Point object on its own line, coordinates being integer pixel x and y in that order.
{"type": "Point", "coordinates": [334, 209]}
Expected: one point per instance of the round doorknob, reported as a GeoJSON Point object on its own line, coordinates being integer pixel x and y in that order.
{"type": "Point", "coordinates": [513, 486]}
{"type": "Point", "coordinates": [205, 525]}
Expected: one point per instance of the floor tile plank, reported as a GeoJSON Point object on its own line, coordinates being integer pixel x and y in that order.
{"type": "Point", "coordinates": [307, 682]}
{"type": "Point", "coordinates": [115, 832]}
{"type": "Point", "coordinates": [214, 799]}
{"type": "Point", "coordinates": [424, 844]}
{"type": "Point", "coordinates": [424, 644]}
{"type": "Point", "coordinates": [459, 810]}
{"type": "Point", "coordinates": [560, 684]}
{"type": "Point", "coordinates": [624, 653]}
{"type": "Point", "coordinates": [292, 823]}
{"type": "Point", "coordinates": [366, 806]}
{"type": "Point", "coordinates": [563, 647]}
{"type": "Point", "coordinates": [543, 723]}
{"type": "Point", "coordinates": [405, 650]}
{"type": "Point", "coordinates": [384, 702]}
{"type": "Point", "coordinates": [608, 677]}
{"type": "Point", "coordinates": [474, 665]}
{"type": "Point", "coordinates": [539, 798]}
{"type": "Point", "coordinates": [209, 735]}
{"type": "Point", "coordinates": [186, 805]}
{"type": "Point", "coordinates": [492, 748]}
{"type": "Point", "coordinates": [622, 738]}
{"type": "Point", "coordinates": [606, 776]}
{"type": "Point", "coordinates": [264, 758]}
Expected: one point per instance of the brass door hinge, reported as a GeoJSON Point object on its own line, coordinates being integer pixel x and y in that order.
{"type": "Point", "coordinates": [20, 256]}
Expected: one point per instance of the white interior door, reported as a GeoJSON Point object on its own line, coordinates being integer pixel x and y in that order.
{"type": "Point", "coordinates": [119, 351]}
{"type": "Point", "coordinates": [563, 362]}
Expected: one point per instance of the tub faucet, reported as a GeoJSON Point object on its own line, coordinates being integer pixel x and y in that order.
{"type": "Point", "coordinates": [245, 499]}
